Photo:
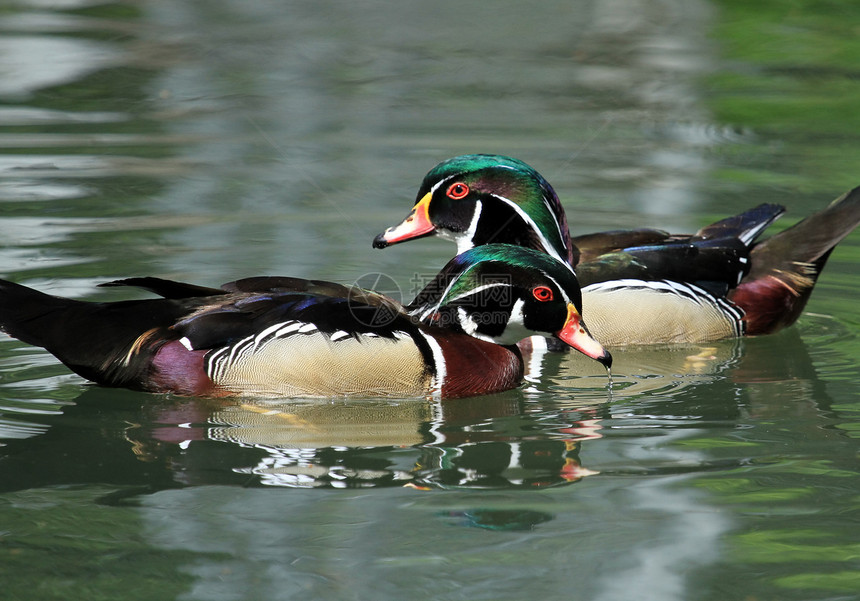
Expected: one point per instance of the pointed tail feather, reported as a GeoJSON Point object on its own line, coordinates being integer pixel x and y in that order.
{"type": "Point", "coordinates": [715, 258]}
{"type": "Point", "coordinates": [92, 339]}
{"type": "Point", "coordinates": [785, 267]}
{"type": "Point", "coordinates": [24, 313]}
{"type": "Point", "coordinates": [746, 226]}
{"type": "Point", "coordinates": [165, 288]}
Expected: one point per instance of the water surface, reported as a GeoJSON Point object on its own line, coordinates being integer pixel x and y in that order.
{"type": "Point", "coordinates": [206, 141]}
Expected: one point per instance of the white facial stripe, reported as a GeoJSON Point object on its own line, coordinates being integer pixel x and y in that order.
{"type": "Point", "coordinates": [435, 308]}
{"type": "Point", "coordinates": [478, 289]}
{"type": "Point", "coordinates": [439, 183]}
{"type": "Point", "coordinates": [464, 242]}
{"type": "Point", "coordinates": [549, 248]}
{"type": "Point", "coordinates": [557, 285]}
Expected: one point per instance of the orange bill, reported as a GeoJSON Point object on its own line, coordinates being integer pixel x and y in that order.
{"type": "Point", "coordinates": [416, 225]}
{"type": "Point", "coordinates": [576, 335]}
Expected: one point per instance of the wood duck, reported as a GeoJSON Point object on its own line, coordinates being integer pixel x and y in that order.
{"type": "Point", "coordinates": [289, 337]}
{"type": "Point", "coordinates": [640, 286]}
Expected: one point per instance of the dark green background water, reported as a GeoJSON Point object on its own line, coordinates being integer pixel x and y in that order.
{"type": "Point", "coordinates": [207, 141]}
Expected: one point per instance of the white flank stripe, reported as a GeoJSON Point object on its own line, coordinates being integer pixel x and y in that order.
{"type": "Point", "coordinates": [439, 364]}
{"type": "Point", "coordinates": [238, 348]}
{"type": "Point", "coordinates": [215, 363]}
{"type": "Point", "coordinates": [259, 337]}
{"type": "Point", "coordinates": [246, 349]}
{"type": "Point", "coordinates": [307, 328]}
{"type": "Point", "coordinates": [186, 343]}
{"type": "Point", "coordinates": [339, 335]}
{"type": "Point", "coordinates": [289, 328]}
{"type": "Point", "coordinates": [689, 291]}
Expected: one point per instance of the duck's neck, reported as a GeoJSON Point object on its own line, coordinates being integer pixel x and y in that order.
{"type": "Point", "coordinates": [473, 366]}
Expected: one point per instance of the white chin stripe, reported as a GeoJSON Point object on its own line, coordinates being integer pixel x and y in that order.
{"type": "Point", "coordinates": [464, 242]}
{"type": "Point", "coordinates": [516, 328]}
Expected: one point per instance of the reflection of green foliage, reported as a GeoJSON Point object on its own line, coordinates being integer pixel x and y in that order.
{"type": "Point", "coordinates": [790, 69]}
{"type": "Point", "coordinates": [746, 490]}
{"type": "Point", "coordinates": [715, 443]}
{"type": "Point", "coordinates": [61, 544]}
{"type": "Point", "coordinates": [848, 581]}
{"type": "Point", "coordinates": [798, 555]}
{"type": "Point", "coordinates": [770, 546]}
{"type": "Point", "coordinates": [851, 428]}
{"type": "Point", "coordinates": [799, 32]}
{"type": "Point", "coordinates": [770, 99]}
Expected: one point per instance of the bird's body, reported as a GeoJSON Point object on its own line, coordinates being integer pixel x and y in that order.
{"type": "Point", "coordinates": [289, 337]}
{"type": "Point", "coordinates": [642, 286]}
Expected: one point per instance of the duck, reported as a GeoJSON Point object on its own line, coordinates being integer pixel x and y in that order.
{"type": "Point", "coordinates": [275, 336]}
{"type": "Point", "coordinates": [642, 286]}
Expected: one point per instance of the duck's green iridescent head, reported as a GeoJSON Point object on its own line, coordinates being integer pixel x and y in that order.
{"type": "Point", "coordinates": [481, 199]}
{"type": "Point", "coordinates": [504, 293]}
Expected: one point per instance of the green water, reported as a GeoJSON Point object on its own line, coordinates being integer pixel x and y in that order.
{"type": "Point", "coordinates": [206, 141]}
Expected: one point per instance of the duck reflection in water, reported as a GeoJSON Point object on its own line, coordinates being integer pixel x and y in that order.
{"type": "Point", "coordinates": [486, 442]}
{"type": "Point", "coordinates": [507, 441]}
{"type": "Point", "coordinates": [529, 438]}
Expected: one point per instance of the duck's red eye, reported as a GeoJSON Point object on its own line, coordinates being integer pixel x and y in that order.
{"type": "Point", "coordinates": [457, 191]}
{"type": "Point", "coordinates": [542, 293]}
